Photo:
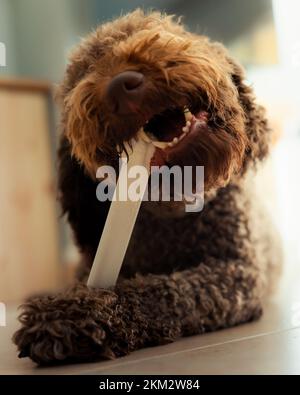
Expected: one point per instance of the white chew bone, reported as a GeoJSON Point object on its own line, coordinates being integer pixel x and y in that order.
{"type": "Point", "coordinates": [120, 221]}
{"type": "Point", "coordinates": [122, 214]}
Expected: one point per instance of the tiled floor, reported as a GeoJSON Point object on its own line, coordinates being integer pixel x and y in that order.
{"type": "Point", "coordinates": [271, 345]}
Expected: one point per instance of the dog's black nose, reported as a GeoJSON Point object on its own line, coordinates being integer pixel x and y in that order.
{"type": "Point", "coordinates": [125, 91]}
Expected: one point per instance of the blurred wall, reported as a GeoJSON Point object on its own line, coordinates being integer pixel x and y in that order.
{"type": "Point", "coordinates": [219, 19]}
{"type": "Point", "coordinates": [7, 36]}
{"type": "Point", "coordinates": [39, 33]}
{"type": "Point", "coordinates": [41, 28]}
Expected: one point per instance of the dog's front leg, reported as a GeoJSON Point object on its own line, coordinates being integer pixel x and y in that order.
{"type": "Point", "coordinates": [82, 324]}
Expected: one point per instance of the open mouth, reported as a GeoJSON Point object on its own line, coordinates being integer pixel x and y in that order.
{"type": "Point", "coordinates": [173, 127]}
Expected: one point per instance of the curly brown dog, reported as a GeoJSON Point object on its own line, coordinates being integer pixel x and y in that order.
{"type": "Point", "coordinates": [184, 273]}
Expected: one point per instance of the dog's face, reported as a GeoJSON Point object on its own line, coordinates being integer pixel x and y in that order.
{"type": "Point", "coordinates": [146, 71]}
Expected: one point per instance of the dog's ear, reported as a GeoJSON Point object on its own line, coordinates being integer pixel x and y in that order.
{"type": "Point", "coordinates": [80, 122]}
{"type": "Point", "coordinates": [77, 96]}
{"type": "Point", "coordinates": [256, 124]}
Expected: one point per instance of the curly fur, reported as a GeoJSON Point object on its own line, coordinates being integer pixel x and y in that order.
{"type": "Point", "coordinates": [183, 273]}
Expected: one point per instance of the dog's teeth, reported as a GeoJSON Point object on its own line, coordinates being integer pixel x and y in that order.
{"type": "Point", "coordinates": [188, 115]}
{"type": "Point", "coordinates": [185, 129]}
{"type": "Point", "coordinates": [175, 140]}
{"type": "Point", "coordinates": [188, 123]}
{"type": "Point", "coordinates": [170, 144]}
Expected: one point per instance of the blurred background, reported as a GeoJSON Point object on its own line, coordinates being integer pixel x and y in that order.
{"type": "Point", "coordinates": [36, 248]}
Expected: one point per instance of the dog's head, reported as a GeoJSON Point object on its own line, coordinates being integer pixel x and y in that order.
{"type": "Point", "coordinates": [145, 70]}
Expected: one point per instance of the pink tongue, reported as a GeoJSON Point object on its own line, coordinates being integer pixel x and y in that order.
{"type": "Point", "coordinates": [202, 116]}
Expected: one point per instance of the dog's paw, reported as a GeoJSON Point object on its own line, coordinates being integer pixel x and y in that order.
{"type": "Point", "coordinates": [75, 325]}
